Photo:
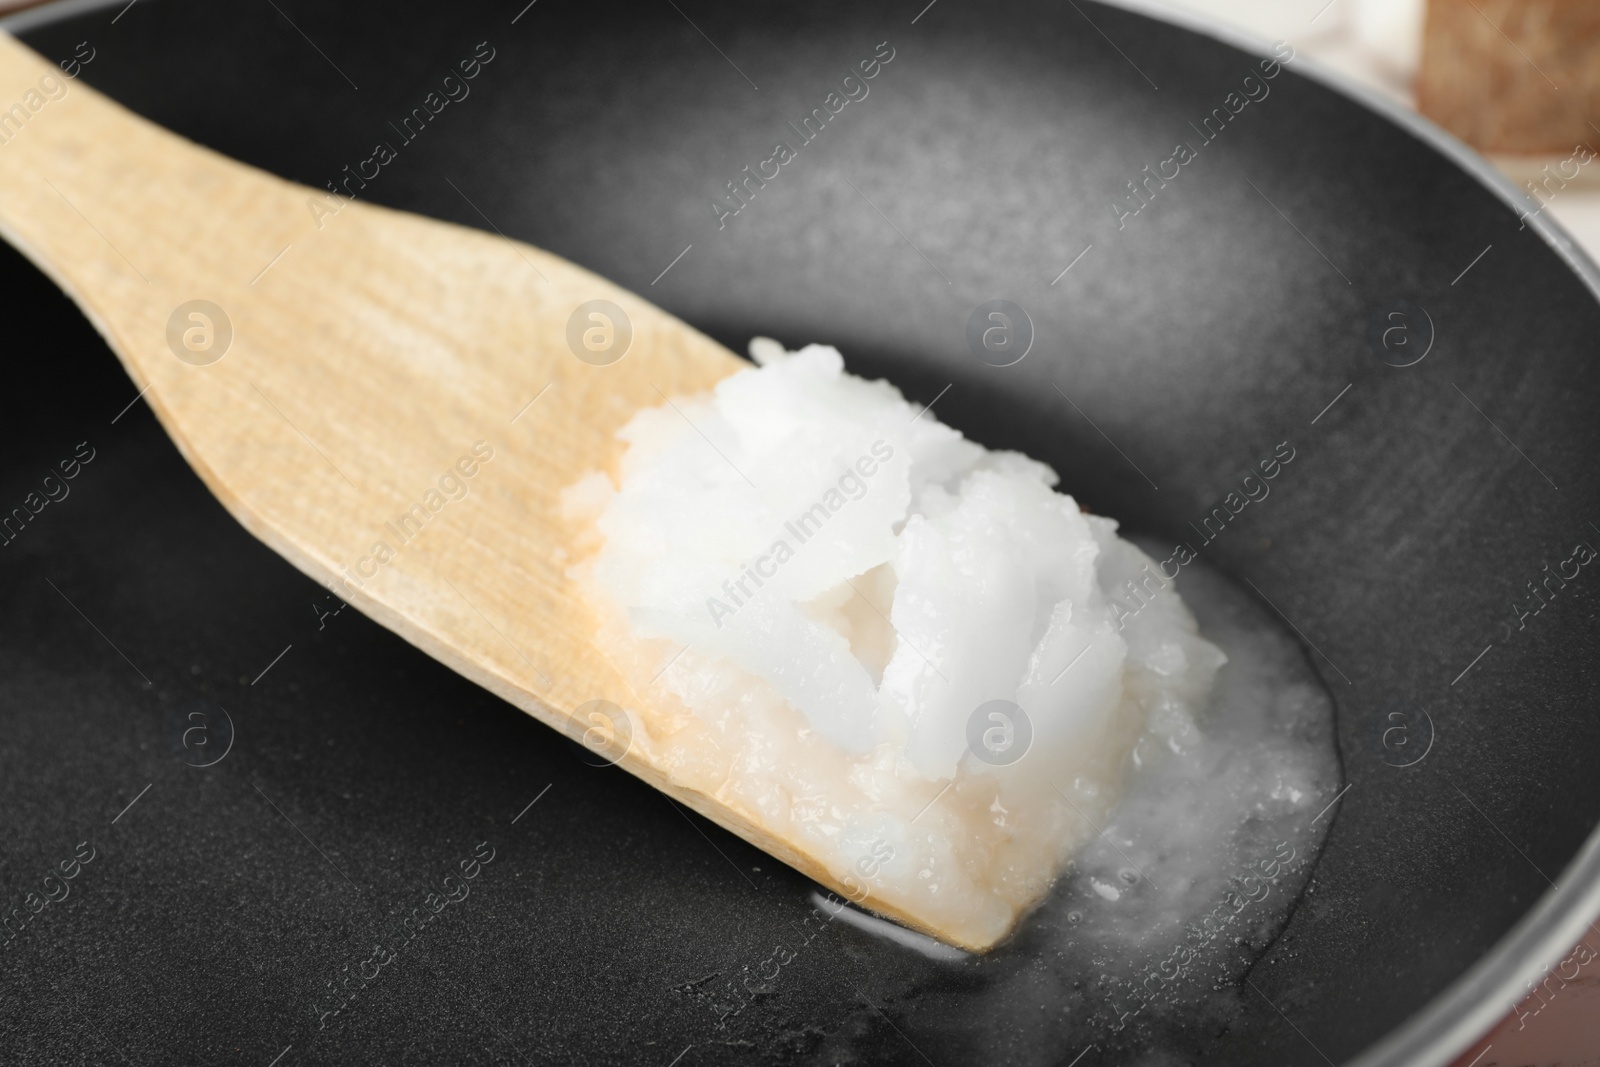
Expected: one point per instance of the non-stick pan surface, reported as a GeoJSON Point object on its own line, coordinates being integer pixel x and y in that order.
{"type": "Point", "coordinates": [268, 788]}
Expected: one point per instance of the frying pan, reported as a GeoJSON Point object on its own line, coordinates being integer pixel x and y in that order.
{"type": "Point", "coordinates": [266, 783]}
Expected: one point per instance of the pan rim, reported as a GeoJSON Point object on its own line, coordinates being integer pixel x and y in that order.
{"type": "Point", "coordinates": [1472, 1005]}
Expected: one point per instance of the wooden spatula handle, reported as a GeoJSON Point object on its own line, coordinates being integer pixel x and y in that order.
{"type": "Point", "coordinates": [120, 212]}
{"type": "Point", "coordinates": [366, 392]}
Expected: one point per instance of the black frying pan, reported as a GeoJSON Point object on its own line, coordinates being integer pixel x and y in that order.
{"type": "Point", "coordinates": [1223, 318]}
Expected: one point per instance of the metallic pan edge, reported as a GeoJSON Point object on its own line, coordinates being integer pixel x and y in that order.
{"type": "Point", "coordinates": [1471, 1006]}
{"type": "Point", "coordinates": [23, 21]}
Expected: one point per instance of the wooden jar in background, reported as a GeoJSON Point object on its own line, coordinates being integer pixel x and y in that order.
{"type": "Point", "coordinates": [1513, 76]}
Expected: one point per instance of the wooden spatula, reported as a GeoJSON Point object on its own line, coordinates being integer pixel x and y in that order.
{"type": "Point", "coordinates": [390, 402]}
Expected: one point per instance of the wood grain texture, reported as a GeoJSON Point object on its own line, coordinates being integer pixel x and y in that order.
{"type": "Point", "coordinates": [371, 350]}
